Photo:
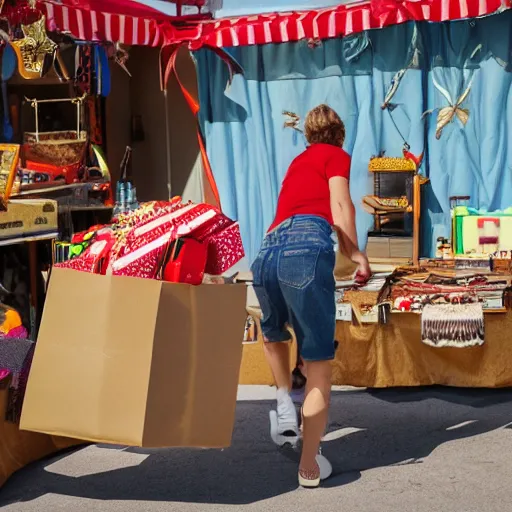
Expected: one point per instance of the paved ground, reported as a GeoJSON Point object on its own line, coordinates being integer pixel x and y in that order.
{"type": "Point", "coordinates": [430, 450]}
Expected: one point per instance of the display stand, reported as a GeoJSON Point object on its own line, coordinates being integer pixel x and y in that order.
{"type": "Point", "coordinates": [396, 207]}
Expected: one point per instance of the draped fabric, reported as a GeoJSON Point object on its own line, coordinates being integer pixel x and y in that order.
{"type": "Point", "coordinates": [434, 66]}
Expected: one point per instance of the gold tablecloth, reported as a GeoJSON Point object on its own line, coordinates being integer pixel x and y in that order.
{"type": "Point", "coordinates": [391, 355]}
{"type": "Point", "coordinates": [17, 448]}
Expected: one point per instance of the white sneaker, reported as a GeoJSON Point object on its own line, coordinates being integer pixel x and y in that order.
{"type": "Point", "coordinates": [284, 425]}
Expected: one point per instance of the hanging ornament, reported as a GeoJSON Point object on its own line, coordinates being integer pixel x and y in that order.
{"type": "Point", "coordinates": [35, 51]}
{"type": "Point", "coordinates": [121, 58]}
{"type": "Point", "coordinates": [447, 115]}
{"type": "Point", "coordinates": [119, 54]}
{"type": "Point", "coordinates": [454, 110]}
{"type": "Point", "coordinates": [291, 120]}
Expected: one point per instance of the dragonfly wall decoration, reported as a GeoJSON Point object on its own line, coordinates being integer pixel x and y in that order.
{"type": "Point", "coordinates": [446, 115]}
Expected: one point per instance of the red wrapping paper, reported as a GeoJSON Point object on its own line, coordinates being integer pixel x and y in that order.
{"type": "Point", "coordinates": [84, 263]}
{"type": "Point", "coordinates": [155, 235]}
{"type": "Point", "coordinates": [143, 262]}
{"type": "Point", "coordinates": [210, 228]}
{"type": "Point", "coordinates": [179, 223]}
{"type": "Point", "coordinates": [139, 250]}
{"type": "Point", "coordinates": [148, 212]}
{"type": "Point", "coordinates": [225, 249]}
{"type": "Point", "coordinates": [93, 258]}
{"type": "Point", "coordinates": [148, 229]}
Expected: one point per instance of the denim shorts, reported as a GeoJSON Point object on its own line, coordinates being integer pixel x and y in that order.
{"type": "Point", "coordinates": [294, 282]}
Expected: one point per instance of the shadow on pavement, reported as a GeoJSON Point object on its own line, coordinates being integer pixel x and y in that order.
{"type": "Point", "coordinates": [367, 430]}
{"type": "Point", "coordinates": [470, 397]}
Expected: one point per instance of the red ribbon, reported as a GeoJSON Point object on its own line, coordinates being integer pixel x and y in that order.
{"type": "Point", "coordinates": [168, 56]}
{"type": "Point", "coordinates": [398, 11]}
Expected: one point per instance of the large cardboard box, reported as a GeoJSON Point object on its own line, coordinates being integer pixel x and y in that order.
{"type": "Point", "coordinates": [136, 362]}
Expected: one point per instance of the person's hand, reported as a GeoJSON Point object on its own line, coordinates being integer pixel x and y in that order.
{"type": "Point", "coordinates": [363, 272]}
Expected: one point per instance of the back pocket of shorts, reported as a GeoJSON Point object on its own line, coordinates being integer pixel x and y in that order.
{"type": "Point", "coordinates": [297, 267]}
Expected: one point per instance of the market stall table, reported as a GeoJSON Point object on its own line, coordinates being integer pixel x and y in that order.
{"type": "Point", "coordinates": [392, 355]}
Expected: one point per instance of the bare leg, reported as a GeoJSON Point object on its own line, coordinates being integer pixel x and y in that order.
{"type": "Point", "coordinates": [278, 358]}
{"type": "Point", "coordinates": [315, 410]}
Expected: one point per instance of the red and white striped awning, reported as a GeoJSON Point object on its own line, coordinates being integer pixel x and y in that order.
{"type": "Point", "coordinates": [132, 22]}
{"type": "Point", "coordinates": [333, 22]}
{"type": "Point", "coordinates": [149, 22]}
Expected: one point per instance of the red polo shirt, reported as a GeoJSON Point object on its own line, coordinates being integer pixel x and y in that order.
{"type": "Point", "coordinates": [305, 189]}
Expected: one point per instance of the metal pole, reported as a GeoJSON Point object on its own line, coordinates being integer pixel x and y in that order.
{"type": "Point", "coordinates": [37, 122]}
{"type": "Point", "coordinates": [78, 115]}
{"type": "Point", "coordinates": [168, 143]}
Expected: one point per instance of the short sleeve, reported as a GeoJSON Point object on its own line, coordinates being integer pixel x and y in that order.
{"type": "Point", "coordinates": [338, 164]}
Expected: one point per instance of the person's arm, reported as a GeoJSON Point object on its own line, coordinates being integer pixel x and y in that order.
{"type": "Point", "coordinates": [344, 216]}
{"type": "Point", "coordinates": [344, 221]}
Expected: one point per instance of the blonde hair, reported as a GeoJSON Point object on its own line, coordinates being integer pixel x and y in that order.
{"type": "Point", "coordinates": [324, 125]}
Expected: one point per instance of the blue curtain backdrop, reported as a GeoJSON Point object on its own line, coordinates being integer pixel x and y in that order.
{"type": "Point", "coordinates": [250, 148]}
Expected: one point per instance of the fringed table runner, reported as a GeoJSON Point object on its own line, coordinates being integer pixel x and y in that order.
{"type": "Point", "coordinates": [453, 325]}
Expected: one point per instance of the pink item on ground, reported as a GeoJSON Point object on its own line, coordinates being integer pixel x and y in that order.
{"type": "Point", "coordinates": [17, 332]}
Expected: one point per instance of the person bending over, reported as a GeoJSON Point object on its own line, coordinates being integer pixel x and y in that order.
{"type": "Point", "coordinates": [294, 282]}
